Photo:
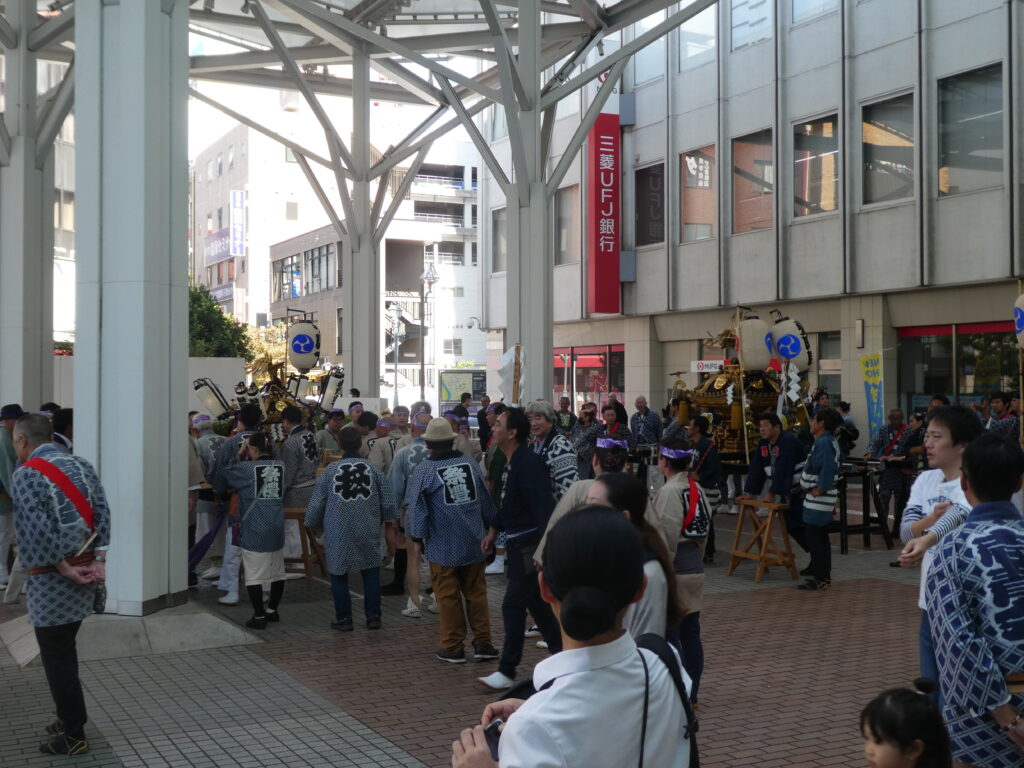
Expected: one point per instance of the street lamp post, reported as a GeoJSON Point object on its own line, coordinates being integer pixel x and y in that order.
{"type": "Point", "coordinates": [396, 318]}
{"type": "Point", "coordinates": [427, 280]}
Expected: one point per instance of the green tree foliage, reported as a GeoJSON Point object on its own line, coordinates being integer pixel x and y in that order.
{"type": "Point", "coordinates": [211, 333]}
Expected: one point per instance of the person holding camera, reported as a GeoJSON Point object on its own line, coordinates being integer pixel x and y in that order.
{"type": "Point", "coordinates": [606, 699]}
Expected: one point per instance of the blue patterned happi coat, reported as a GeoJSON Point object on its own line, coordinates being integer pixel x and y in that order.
{"type": "Point", "coordinates": [50, 529]}
{"type": "Point", "coordinates": [350, 502]}
{"type": "Point", "coordinates": [975, 596]}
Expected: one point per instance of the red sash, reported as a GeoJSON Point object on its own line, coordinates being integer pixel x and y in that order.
{"type": "Point", "coordinates": [893, 442]}
{"type": "Point", "coordinates": [691, 513]}
{"type": "Point", "coordinates": [63, 482]}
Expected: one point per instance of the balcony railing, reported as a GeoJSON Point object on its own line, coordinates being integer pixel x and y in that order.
{"type": "Point", "coordinates": [440, 218]}
{"type": "Point", "coordinates": [439, 181]}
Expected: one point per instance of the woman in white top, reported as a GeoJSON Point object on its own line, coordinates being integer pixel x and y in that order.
{"type": "Point", "coordinates": [659, 608]}
{"type": "Point", "coordinates": [589, 707]}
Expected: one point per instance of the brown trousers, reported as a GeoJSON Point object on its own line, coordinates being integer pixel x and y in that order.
{"type": "Point", "coordinates": [451, 585]}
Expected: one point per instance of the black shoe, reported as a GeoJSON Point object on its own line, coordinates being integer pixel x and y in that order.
{"type": "Point", "coordinates": [808, 571]}
{"type": "Point", "coordinates": [452, 657]}
{"type": "Point", "coordinates": [814, 585]}
{"type": "Point", "coordinates": [56, 728]}
{"type": "Point", "coordinates": [485, 651]}
{"type": "Point", "coordinates": [62, 744]}
{"type": "Point", "coordinates": [709, 558]}
{"type": "Point", "coordinates": [273, 616]}
{"type": "Point", "coordinates": [373, 622]}
{"type": "Point", "coordinates": [345, 625]}
{"type": "Point", "coordinates": [257, 622]}
{"type": "Point", "coordinates": [392, 589]}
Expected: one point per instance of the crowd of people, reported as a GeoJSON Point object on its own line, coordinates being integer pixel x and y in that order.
{"type": "Point", "coordinates": [606, 574]}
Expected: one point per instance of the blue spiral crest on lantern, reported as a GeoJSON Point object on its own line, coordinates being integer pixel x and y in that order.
{"type": "Point", "coordinates": [789, 346]}
{"type": "Point", "coordinates": [1018, 319]}
{"type": "Point", "coordinates": [768, 342]}
{"type": "Point", "coordinates": [303, 344]}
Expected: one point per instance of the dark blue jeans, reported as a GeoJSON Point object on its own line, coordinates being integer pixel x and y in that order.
{"type": "Point", "coordinates": [693, 650]}
{"type": "Point", "coordinates": [521, 593]}
{"type": "Point", "coordinates": [929, 664]}
{"type": "Point", "coordinates": [343, 600]}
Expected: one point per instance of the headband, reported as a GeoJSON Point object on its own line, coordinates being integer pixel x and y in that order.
{"type": "Point", "coordinates": [450, 415]}
{"type": "Point", "coordinates": [353, 406]}
{"type": "Point", "coordinates": [608, 444]}
{"type": "Point", "coordinates": [674, 453]}
{"type": "Point", "coordinates": [382, 423]}
{"type": "Point", "coordinates": [491, 409]}
{"type": "Point", "coordinates": [399, 409]}
{"type": "Point", "coordinates": [200, 418]}
{"type": "Point", "coordinates": [336, 412]}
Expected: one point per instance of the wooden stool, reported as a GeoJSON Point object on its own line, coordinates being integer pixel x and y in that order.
{"type": "Point", "coordinates": [761, 546]}
{"type": "Point", "coordinates": [312, 552]}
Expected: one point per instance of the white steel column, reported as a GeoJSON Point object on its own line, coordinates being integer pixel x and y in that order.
{"type": "Point", "coordinates": [530, 263]}
{"type": "Point", "coordinates": [131, 356]}
{"type": "Point", "coordinates": [361, 339]}
{"type": "Point", "coordinates": [26, 230]}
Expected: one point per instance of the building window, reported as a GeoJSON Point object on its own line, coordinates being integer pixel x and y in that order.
{"type": "Point", "coordinates": [220, 164]}
{"type": "Point", "coordinates": [231, 269]}
{"type": "Point", "coordinates": [753, 182]}
{"type": "Point", "coordinates": [887, 141]}
{"type": "Point", "coordinates": [499, 240]}
{"type": "Point", "coordinates": [456, 291]}
{"type": "Point", "coordinates": [697, 38]}
{"type": "Point", "coordinates": [830, 363]}
{"type": "Point", "coordinates": [64, 210]}
{"type": "Point", "coordinates": [808, 9]}
{"type": "Point", "coordinates": [209, 223]}
{"type": "Point", "coordinates": [209, 170]}
{"type": "Point", "coordinates": [816, 166]}
{"type": "Point", "coordinates": [567, 225]}
{"type": "Point", "coordinates": [220, 219]}
{"type": "Point", "coordinates": [649, 61]}
{"type": "Point", "coordinates": [751, 22]}
{"type": "Point", "coordinates": [287, 274]}
{"type": "Point", "coordinates": [339, 331]}
{"type": "Point", "coordinates": [971, 131]}
{"type": "Point", "coordinates": [231, 156]}
{"type": "Point", "coordinates": [220, 273]}
{"type": "Point", "coordinates": [697, 203]}
{"type": "Point", "coordinates": [317, 269]}
{"type": "Point", "coordinates": [453, 346]}
{"type": "Point", "coordinates": [650, 204]}
{"type": "Point", "coordinates": [291, 210]}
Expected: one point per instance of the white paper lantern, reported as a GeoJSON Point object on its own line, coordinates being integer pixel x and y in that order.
{"type": "Point", "coordinates": [1018, 319]}
{"type": "Point", "coordinates": [303, 345]}
{"type": "Point", "coordinates": [790, 341]}
{"type": "Point", "coordinates": [754, 340]}
{"type": "Point", "coordinates": [332, 388]}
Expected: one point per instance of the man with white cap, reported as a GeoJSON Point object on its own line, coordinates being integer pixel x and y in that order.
{"type": "Point", "coordinates": [450, 510]}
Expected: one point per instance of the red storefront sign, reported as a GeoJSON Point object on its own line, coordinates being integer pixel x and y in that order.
{"type": "Point", "coordinates": [604, 214]}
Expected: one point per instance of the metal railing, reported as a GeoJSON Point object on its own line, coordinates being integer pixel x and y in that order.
{"type": "Point", "coordinates": [440, 218]}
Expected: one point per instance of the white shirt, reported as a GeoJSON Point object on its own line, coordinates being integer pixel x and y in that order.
{"type": "Point", "coordinates": [929, 490]}
{"type": "Point", "coordinates": [592, 714]}
{"type": "Point", "coordinates": [651, 613]}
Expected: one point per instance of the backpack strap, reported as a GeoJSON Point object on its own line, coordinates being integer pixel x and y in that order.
{"type": "Point", "coordinates": [659, 646]}
{"type": "Point", "coordinates": [62, 481]}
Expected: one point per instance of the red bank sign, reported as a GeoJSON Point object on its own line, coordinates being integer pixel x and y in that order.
{"type": "Point", "coordinates": [604, 214]}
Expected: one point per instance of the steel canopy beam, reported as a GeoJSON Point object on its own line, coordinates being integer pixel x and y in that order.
{"type": "Point", "coordinates": [673, 21]}
{"type": "Point", "coordinates": [298, 149]}
{"type": "Point", "coordinates": [325, 84]}
{"type": "Point", "coordinates": [321, 195]}
{"type": "Point", "coordinates": [400, 193]}
{"type": "Point", "coordinates": [321, 19]}
{"type": "Point", "coordinates": [8, 34]}
{"type": "Point", "coordinates": [5, 145]}
{"type": "Point", "coordinates": [580, 135]}
{"type": "Point", "coordinates": [54, 30]}
{"type": "Point", "coordinates": [474, 134]}
{"type": "Point", "coordinates": [53, 115]}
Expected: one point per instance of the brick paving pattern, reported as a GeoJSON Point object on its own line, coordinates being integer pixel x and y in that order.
{"type": "Point", "coordinates": [786, 675]}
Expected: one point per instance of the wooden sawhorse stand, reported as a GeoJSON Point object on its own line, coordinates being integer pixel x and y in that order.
{"type": "Point", "coordinates": [761, 546]}
{"type": "Point", "coordinates": [311, 551]}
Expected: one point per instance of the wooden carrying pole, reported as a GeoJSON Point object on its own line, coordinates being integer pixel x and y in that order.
{"type": "Point", "coordinates": [743, 389]}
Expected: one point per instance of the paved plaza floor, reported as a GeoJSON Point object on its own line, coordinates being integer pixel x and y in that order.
{"type": "Point", "coordinates": [786, 675]}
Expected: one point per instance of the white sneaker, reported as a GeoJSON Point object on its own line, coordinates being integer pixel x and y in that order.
{"type": "Point", "coordinates": [542, 644]}
{"type": "Point", "coordinates": [496, 681]}
{"type": "Point", "coordinates": [411, 611]}
{"type": "Point", "coordinates": [432, 605]}
{"type": "Point", "coordinates": [497, 567]}
{"type": "Point", "coordinates": [231, 598]}
{"type": "Point", "coordinates": [532, 631]}
{"type": "Point", "coordinates": [211, 573]}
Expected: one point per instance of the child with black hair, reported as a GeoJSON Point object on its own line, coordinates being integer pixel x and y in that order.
{"type": "Point", "coordinates": [903, 729]}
